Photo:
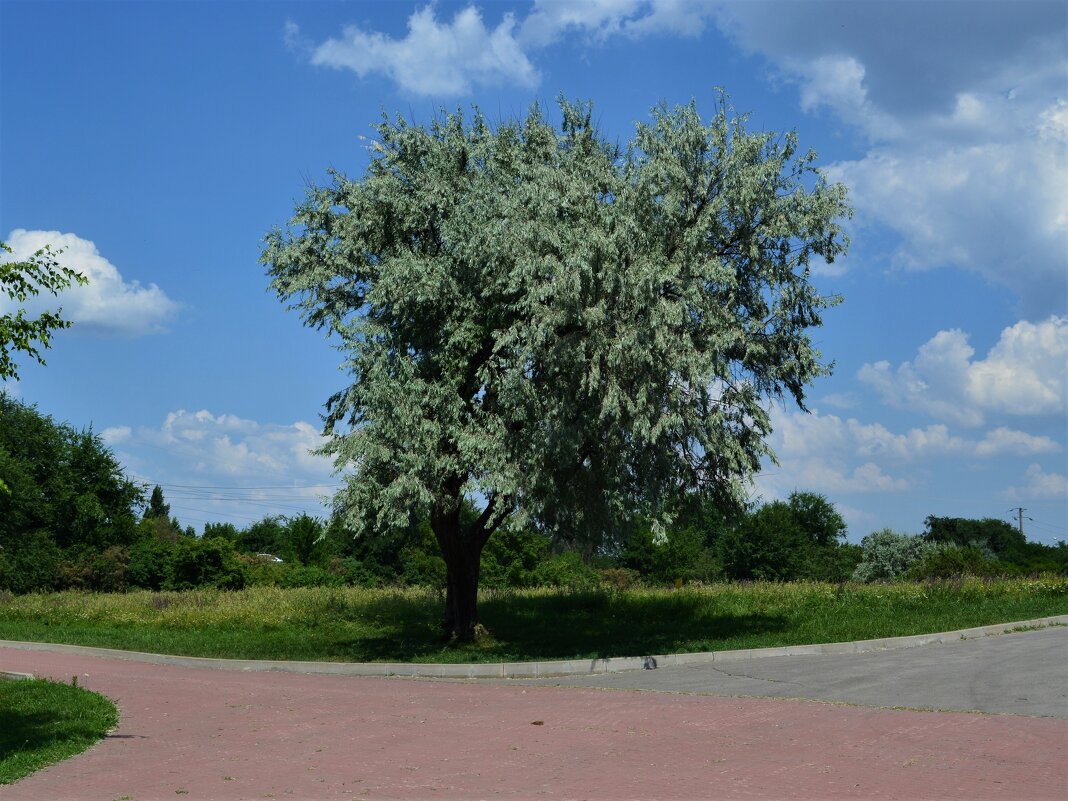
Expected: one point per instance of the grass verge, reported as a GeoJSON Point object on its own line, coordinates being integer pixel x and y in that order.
{"type": "Point", "coordinates": [42, 723]}
{"type": "Point", "coordinates": [359, 625]}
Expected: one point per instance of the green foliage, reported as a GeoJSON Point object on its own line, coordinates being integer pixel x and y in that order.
{"type": "Point", "coordinates": [20, 280]}
{"type": "Point", "coordinates": [571, 330]}
{"type": "Point", "coordinates": [264, 536]}
{"type": "Point", "coordinates": [198, 563]}
{"type": "Point", "coordinates": [566, 570]}
{"type": "Point", "coordinates": [226, 531]}
{"type": "Point", "coordinates": [309, 576]}
{"type": "Point", "coordinates": [889, 555]}
{"type": "Point", "coordinates": [679, 554]}
{"type": "Point", "coordinates": [304, 540]}
{"type": "Point", "coordinates": [1003, 540]}
{"type": "Point", "coordinates": [149, 563]}
{"type": "Point", "coordinates": [85, 568]}
{"type": "Point", "coordinates": [65, 486]}
{"type": "Point", "coordinates": [511, 557]}
{"type": "Point", "coordinates": [952, 561]}
{"type": "Point", "coordinates": [786, 540]}
{"type": "Point", "coordinates": [157, 507]}
{"type": "Point", "coordinates": [34, 565]}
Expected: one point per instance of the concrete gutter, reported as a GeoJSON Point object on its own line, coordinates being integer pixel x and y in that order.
{"type": "Point", "coordinates": [532, 670]}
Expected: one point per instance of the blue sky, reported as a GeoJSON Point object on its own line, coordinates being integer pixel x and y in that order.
{"type": "Point", "coordinates": [158, 142]}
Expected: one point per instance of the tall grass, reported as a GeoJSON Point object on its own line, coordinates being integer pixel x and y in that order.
{"type": "Point", "coordinates": [354, 624]}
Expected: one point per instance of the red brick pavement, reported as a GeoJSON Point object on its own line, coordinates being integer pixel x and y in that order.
{"type": "Point", "coordinates": [196, 734]}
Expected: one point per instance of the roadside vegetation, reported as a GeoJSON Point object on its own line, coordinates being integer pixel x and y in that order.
{"type": "Point", "coordinates": [403, 624]}
{"type": "Point", "coordinates": [42, 723]}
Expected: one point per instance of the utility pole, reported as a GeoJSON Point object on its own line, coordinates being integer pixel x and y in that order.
{"type": "Point", "coordinates": [1020, 512]}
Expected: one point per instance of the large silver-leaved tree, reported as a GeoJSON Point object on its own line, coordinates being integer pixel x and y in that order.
{"type": "Point", "coordinates": [560, 331]}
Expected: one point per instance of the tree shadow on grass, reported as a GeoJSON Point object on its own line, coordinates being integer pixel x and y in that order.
{"type": "Point", "coordinates": [580, 625]}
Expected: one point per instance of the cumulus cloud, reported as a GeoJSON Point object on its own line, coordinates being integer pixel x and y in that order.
{"type": "Point", "coordinates": [448, 59]}
{"type": "Point", "coordinates": [222, 467]}
{"type": "Point", "coordinates": [1038, 484]}
{"type": "Point", "coordinates": [434, 58]}
{"type": "Point", "coordinates": [1022, 375]}
{"type": "Point", "coordinates": [226, 445]}
{"type": "Point", "coordinates": [1020, 443]}
{"type": "Point", "coordinates": [108, 304]}
{"type": "Point", "coordinates": [844, 456]}
{"type": "Point", "coordinates": [962, 106]}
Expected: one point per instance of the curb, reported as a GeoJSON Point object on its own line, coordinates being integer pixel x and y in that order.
{"type": "Point", "coordinates": [534, 670]}
{"type": "Point", "coordinates": [14, 675]}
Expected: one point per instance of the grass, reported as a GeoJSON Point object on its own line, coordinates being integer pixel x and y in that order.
{"type": "Point", "coordinates": [360, 625]}
{"type": "Point", "coordinates": [42, 723]}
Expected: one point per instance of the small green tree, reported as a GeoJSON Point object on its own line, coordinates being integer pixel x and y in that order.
{"type": "Point", "coordinates": [157, 507]}
{"type": "Point", "coordinates": [20, 280]}
{"type": "Point", "coordinates": [570, 331]}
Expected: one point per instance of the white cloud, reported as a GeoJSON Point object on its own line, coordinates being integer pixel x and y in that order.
{"type": "Point", "coordinates": [832, 455]}
{"type": "Point", "coordinates": [451, 58]}
{"type": "Point", "coordinates": [435, 58]}
{"type": "Point", "coordinates": [1039, 484]}
{"type": "Point", "coordinates": [1007, 441]}
{"type": "Point", "coordinates": [1023, 374]}
{"type": "Point", "coordinates": [963, 109]}
{"type": "Point", "coordinates": [222, 467]}
{"type": "Point", "coordinates": [600, 19]}
{"type": "Point", "coordinates": [233, 447]}
{"type": "Point", "coordinates": [116, 435]}
{"type": "Point", "coordinates": [108, 303]}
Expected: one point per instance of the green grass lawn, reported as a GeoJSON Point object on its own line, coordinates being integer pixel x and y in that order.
{"type": "Point", "coordinates": [360, 625]}
{"type": "Point", "coordinates": [42, 723]}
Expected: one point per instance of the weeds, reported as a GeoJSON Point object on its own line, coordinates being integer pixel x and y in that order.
{"type": "Point", "coordinates": [358, 624]}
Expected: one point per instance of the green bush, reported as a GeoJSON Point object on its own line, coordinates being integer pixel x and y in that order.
{"type": "Point", "coordinates": [955, 561]}
{"type": "Point", "coordinates": [98, 571]}
{"type": "Point", "coordinates": [149, 564]}
{"type": "Point", "coordinates": [310, 576]}
{"type": "Point", "coordinates": [204, 563]}
{"type": "Point", "coordinates": [34, 565]}
{"type": "Point", "coordinates": [567, 570]}
{"type": "Point", "coordinates": [888, 555]}
{"type": "Point", "coordinates": [510, 558]}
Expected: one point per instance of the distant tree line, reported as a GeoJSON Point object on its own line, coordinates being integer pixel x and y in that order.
{"type": "Point", "coordinates": [71, 519]}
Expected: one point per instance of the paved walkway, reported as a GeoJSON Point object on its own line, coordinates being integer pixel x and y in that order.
{"type": "Point", "coordinates": [194, 733]}
{"type": "Point", "coordinates": [1024, 673]}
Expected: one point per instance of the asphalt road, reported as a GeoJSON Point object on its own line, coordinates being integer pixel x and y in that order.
{"type": "Point", "coordinates": [1024, 673]}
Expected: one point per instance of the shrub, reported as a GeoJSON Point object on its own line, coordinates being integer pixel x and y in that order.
{"type": "Point", "coordinates": [148, 566]}
{"type": "Point", "coordinates": [567, 570]}
{"type": "Point", "coordinates": [952, 562]}
{"type": "Point", "coordinates": [620, 578]}
{"type": "Point", "coordinates": [90, 569]}
{"type": "Point", "coordinates": [198, 563]}
{"type": "Point", "coordinates": [310, 576]}
{"type": "Point", "coordinates": [888, 554]}
{"type": "Point", "coordinates": [33, 566]}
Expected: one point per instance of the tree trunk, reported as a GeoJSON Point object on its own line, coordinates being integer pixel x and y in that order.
{"type": "Point", "coordinates": [462, 552]}
{"type": "Point", "coordinates": [461, 593]}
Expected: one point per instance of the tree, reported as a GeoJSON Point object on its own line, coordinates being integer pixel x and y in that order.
{"type": "Point", "coordinates": [19, 280]}
{"type": "Point", "coordinates": [157, 507]}
{"type": "Point", "coordinates": [565, 332]}
{"type": "Point", "coordinates": [66, 491]}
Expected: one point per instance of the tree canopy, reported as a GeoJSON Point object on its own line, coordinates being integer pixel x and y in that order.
{"type": "Point", "coordinates": [565, 330]}
{"type": "Point", "coordinates": [19, 280]}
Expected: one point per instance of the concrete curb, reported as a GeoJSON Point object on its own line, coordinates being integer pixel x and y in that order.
{"type": "Point", "coordinates": [14, 675]}
{"type": "Point", "coordinates": [533, 670]}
